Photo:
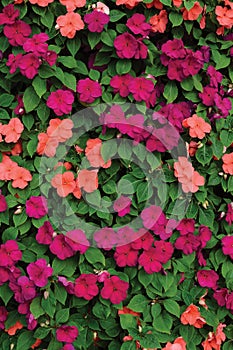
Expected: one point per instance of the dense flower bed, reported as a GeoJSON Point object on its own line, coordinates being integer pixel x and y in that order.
{"type": "Point", "coordinates": [116, 166]}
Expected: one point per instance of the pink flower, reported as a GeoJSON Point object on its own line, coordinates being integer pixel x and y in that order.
{"type": "Point", "coordinates": [39, 272]}
{"type": "Point", "coordinates": [141, 88]}
{"type": "Point", "coordinates": [50, 57]}
{"type": "Point", "coordinates": [3, 203]}
{"type": "Point", "coordinates": [105, 238]}
{"type": "Point", "coordinates": [3, 316]}
{"type": "Point", "coordinates": [174, 48]}
{"type": "Point", "coordinates": [9, 15]}
{"type": "Point", "coordinates": [45, 233]}
{"type": "Point", "coordinates": [77, 240]}
{"type": "Point", "coordinates": [60, 101]}
{"type": "Point", "coordinates": [4, 273]}
{"type": "Point", "coordinates": [224, 105]}
{"type": "Point", "coordinates": [88, 90]}
{"type": "Point", "coordinates": [229, 215]}
{"type": "Point", "coordinates": [96, 21]}
{"type": "Point", "coordinates": [186, 226]}
{"type": "Point", "coordinates": [36, 207]}
{"type": "Point", "coordinates": [227, 246]}
{"type": "Point", "coordinates": [69, 286]}
{"type": "Point", "coordinates": [207, 95]}
{"type": "Point", "coordinates": [163, 251]}
{"type": "Point", "coordinates": [28, 289]}
{"type": "Point", "coordinates": [114, 289]}
{"type": "Point", "coordinates": [126, 256]}
{"type": "Point", "coordinates": [9, 253]}
{"type": "Point", "coordinates": [66, 334]}
{"type": "Point", "coordinates": [204, 235]}
{"type": "Point", "coordinates": [61, 247]}
{"type": "Point", "coordinates": [215, 76]}
{"type": "Point", "coordinates": [68, 347]}
{"type": "Point", "coordinates": [188, 243]}
{"type": "Point", "coordinates": [17, 32]}
{"type": "Point", "coordinates": [150, 216]}
{"type": "Point", "coordinates": [148, 260]}
{"type": "Point", "coordinates": [120, 84]}
{"type": "Point", "coordinates": [85, 286]}
{"type": "Point", "coordinates": [122, 205]}
{"type": "Point", "coordinates": [103, 275]}
{"type": "Point", "coordinates": [19, 109]}
{"type": "Point", "coordinates": [29, 65]}
{"type": "Point", "coordinates": [37, 44]}
{"type": "Point", "coordinates": [220, 296]}
{"type": "Point", "coordinates": [13, 62]}
{"type": "Point", "coordinates": [164, 227]}
{"type": "Point", "coordinates": [125, 45]}
{"type": "Point", "coordinates": [144, 242]}
{"type": "Point", "coordinates": [207, 278]}
{"type": "Point", "coordinates": [137, 24]}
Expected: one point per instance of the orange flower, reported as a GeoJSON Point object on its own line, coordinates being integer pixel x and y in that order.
{"type": "Point", "coordinates": [47, 145]}
{"type": "Point", "coordinates": [42, 3]}
{"type": "Point", "coordinates": [193, 13]}
{"type": "Point", "coordinates": [20, 177]}
{"type": "Point", "coordinates": [88, 180]}
{"type": "Point", "coordinates": [224, 16]}
{"type": "Point", "coordinates": [61, 130]}
{"type": "Point", "coordinates": [93, 154]}
{"type": "Point", "coordinates": [192, 148]}
{"type": "Point", "coordinates": [6, 166]}
{"type": "Point", "coordinates": [127, 311]}
{"type": "Point", "coordinates": [67, 165]}
{"type": "Point", "coordinates": [17, 149]}
{"type": "Point", "coordinates": [192, 317]}
{"type": "Point", "coordinates": [187, 176]}
{"type": "Point", "coordinates": [71, 5]}
{"type": "Point", "coordinates": [77, 192]}
{"type": "Point", "coordinates": [78, 149]}
{"type": "Point", "coordinates": [36, 344]}
{"type": "Point", "coordinates": [197, 126]}
{"type": "Point", "coordinates": [12, 130]}
{"type": "Point", "coordinates": [13, 329]}
{"type": "Point", "coordinates": [228, 163]}
{"type": "Point", "coordinates": [69, 24]}
{"type": "Point", "coordinates": [155, 3]}
{"type": "Point", "coordinates": [215, 340]}
{"type": "Point", "coordinates": [159, 22]}
{"type": "Point", "coordinates": [130, 4]}
{"type": "Point", "coordinates": [179, 344]}
{"type": "Point", "coordinates": [17, 2]}
{"type": "Point", "coordinates": [177, 3]}
{"type": "Point", "coordinates": [64, 183]}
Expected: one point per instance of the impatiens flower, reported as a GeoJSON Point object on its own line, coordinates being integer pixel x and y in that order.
{"type": "Point", "coordinates": [13, 62]}
{"type": "Point", "coordinates": [66, 333]}
{"type": "Point", "coordinates": [46, 145]}
{"type": "Point", "coordinates": [148, 260]}
{"type": "Point", "coordinates": [9, 253]}
{"type": "Point", "coordinates": [141, 88]}
{"type": "Point", "coordinates": [50, 57]}
{"type": "Point", "coordinates": [19, 109]}
{"type": "Point", "coordinates": [12, 130]}
{"type": "Point", "coordinates": [68, 347]}
{"type": "Point", "coordinates": [60, 101]}
{"type": "Point", "coordinates": [20, 177]}
{"type": "Point", "coordinates": [42, 3]}
{"type": "Point", "coordinates": [29, 65]}
{"type": "Point", "coordinates": [187, 176]}
{"type": "Point", "coordinates": [186, 226]}
{"type": "Point", "coordinates": [36, 207]}
{"type": "Point", "coordinates": [227, 246]}
{"type": "Point", "coordinates": [159, 22]}
{"type": "Point", "coordinates": [229, 215]}
{"type": "Point", "coordinates": [126, 256]}
{"type": "Point", "coordinates": [96, 21]}
{"type": "Point", "coordinates": [150, 216]}
{"type": "Point", "coordinates": [45, 233]}
{"type": "Point", "coordinates": [174, 48]}
{"type": "Point", "coordinates": [125, 45]}
{"type": "Point", "coordinates": [39, 272]}
{"type": "Point", "coordinates": [207, 95]}
{"type": "Point", "coordinates": [37, 44]}
{"type": "Point", "coordinates": [13, 329]}
{"type": "Point", "coordinates": [61, 248]}
{"type": "Point", "coordinates": [128, 3]}
{"type": "Point", "coordinates": [85, 286]}
{"type": "Point", "coordinates": [105, 238]}
{"type": "Point", "coordinates": [3, 203]}
{"type": "Point", "coordinates": [88, 90]}
{"type": "Point", "coordinates": [69, 24]}
{"type": "Point", "coordinates": [178, 344]}
{"type": "Point", "coordinates": [215, 339]}
{"type": "Point", "coordinates": [122, 205]}
{"type": "Point", "coordinates": [137, 24]}
{"type": "Point", "coordinates": [3, 316]}
{"type": "Point", "coordinates": [114, 289]}
{"type": "Point", "coordinates": [120, 84]}
{"type": "Point", "coordinates": [77, 240]}
{"type": "Point", "coordinates": [144, 241]}
{"type": "Point", "coordinates": [207, 278]}
{"type": "Point", "coordinates": [64, 183]}
{"type": "Point", "coordinates": [197, 126]}
{"type": "Point", "coordinates": [17, 32]}
{"type": "Point", "coordinates": [224, 16]}
{"type": "Point", "coordinates": [215, 76]}
{"type": "Point", "coordinates": [71, 5]}
{"type": "Point", "coordinates": [188, 243]}
{"type": "Point", "coordinates": [9, 14]}
{"type": "Point", "coordinates": [100, 6]}
{"type": "Point", "coordinates": [193, 13]}
{"type": "Point", "coordinates": [93, 154]}
{"type": "Point", "coordinates": [223, 104]}
{"type": "Point", "coordinates": [27, 287]}
{"type": "Point", "coordinates": [88, 180]}
{"type": "Point", "coordinates": [192, 317]}
{"type": "Point", "coordinates": [228, 163]}
{"type": "Point", "coordinates": [61, 130]}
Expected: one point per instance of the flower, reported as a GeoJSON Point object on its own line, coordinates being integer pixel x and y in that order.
{"type": "Point", "coordinates": [64, 183]}
{"type": "Point", "coordinates": [71, 5]}
{"type": "Point", "coordinates": [37, 44]}
{"type": "Point", "coordinates": [69, 24]}
{"type": "Point", "coordinates": [229, 215]}
{"type": "Point", "coordinates": [207, 278]}
{"type": "Point", "coordinates": [144, 241]}
{"type": "Point", "coordinates": [88, 90]}
{"type": "Point", "coordinates": [114, 289]}
{"type": "Point", "coordinates": [88, 180]}
{"type": "Point", "coordinates": [179, 344]}
{"type": "Point", "coordinates": [17, 32]}
{"type": "Point", "coordinates": [122, 205]}
{"type": "Point", "coordinates": [126, 256]}
{"type": "Point", "coordinates": [85, 286]}
{"type": "Point", "coordinates": [12, 130]}
{"type": "Point", "coordinates": [188, 243]}
{"type": "Point", "coordinates": [61, 247]}
{"type": "Point", "coordinates": [39, 272]}
{"type": "Point", "coordinates": [96, 21]}
{"type": "Point", "coordinates": [3, 316]}
{"type": "Point", "coordinates": [45, 233]}
{"type": "Point", "coordinates": [61, 130]}
{"type": "Point", "coordinates": [9, 253]}
{"type": "Point", "coordinates": [13, 62]}
{"type": "Point", "coordinates": [215, 339]}
{"type": "Point", "coordinates": [128, 3]}
{"type": "Point", "coordinates": [228, 163]}
{"type": "Point", "coordinates": [148, 260]}
{"type": "Point", "coordinates": [93, 154]}
{"type": "Point", "coordinates": [20, 177]}
{"type": "Point", "coordinates": [66, 333]}
{"type": "Point", "coordinates": [137, 24]}
{"type": "Point", "coordinates": [125, 45]}
{"type": "Point", "coordinates": [47, 145]}
{"type": "Point", "coordinates": [13, 329]}
{"type": "Point", "coordinates": [100, 6]}
{"type": "Point", "coordinates": [141, 88]}
{"type": "Point", "coordinates": [187, 176]}
{"type": "Point", "coordinates": [60, 101]}
{"type": "Point", "coordinates": [150, 216]}
{"type": "Point", "coordinates": [28, 288]}
{"type": "Point", "coordinates": [42, 3]}
{"type": "Point", "coordinates": [105, 238]}
{"type": "Point", "coordinates": [9, 14]}
{"type": "Point", "coordinates": [120, 84]}
{"type": "Point", "coordinates": [193, 13]}
{"type": "Point", "coordinates": [197, 126]}
{"type": "Point", "coordinates": [224, 16]}
{"type": "Point", "coordinates": [186, 226]}
{"type": "Point", "coordinates": [36, 207]}
{"type": "Point", "coordinates": [192, 317]}
{"type": "Point", "coordinates": [227, 246]}
{"type": "Point", "coordinates": [3, 203]}
{"type": "Point", "coordinates": [159, 22]}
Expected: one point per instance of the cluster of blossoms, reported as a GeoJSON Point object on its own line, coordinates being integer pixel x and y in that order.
{"type": "Point", "coordinates": [182, 62]}
{"type": "Point", "coordinates": [11, 131]}
{"type": "Point", "coordinates": [10, 170]}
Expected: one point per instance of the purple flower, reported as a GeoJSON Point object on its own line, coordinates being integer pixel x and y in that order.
{"type": "Point", "coordinates": [36, 207]}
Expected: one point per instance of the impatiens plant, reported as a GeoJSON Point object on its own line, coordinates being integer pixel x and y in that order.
{"type": "Point", "coordinates": [116, 164]}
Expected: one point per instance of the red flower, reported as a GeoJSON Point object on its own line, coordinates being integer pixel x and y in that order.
{"type": "Point", "coordinates": [9, 253]}
{"type": "Point", "coordinates": [149, 261]}
{"type": "Point", "coordinates": [120, 84]}
{"type": "Point", "coordinates": [86, 287]}
{"type": "Point", "coordinates": [114, 289]}
{"type": "Point", "coordinates": [45, 233]}
{"type": "Point", "coordinates": [126, 256]}
{"type": "Point", "coordinates": [141, 88]}
{"type": "Point", "coordinates": [9, 15]}
{"type": "Point", "coordinates": [17, 32]}
{"type": "Point", "coordinates": [37, 44]}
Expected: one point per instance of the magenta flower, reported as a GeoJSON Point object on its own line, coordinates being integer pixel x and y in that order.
{"type": "Point", "coordinates": [120, 84]}
{"type": "Point", "coordinates": [19, 109]}
{"type": "Point", "coordinates": [227, 246]}
{"type": "Point", "coordinates": [67, 334]}
{"type": "Point", "coordinates": [220, 295]}
{"type": "Point", "coordinates": [141, 50]}
{"type": "Point", "coordinates": [77, 240]}
{"type": "Point", "coordinates": [122, 205]}
{"type": "Point", "coordinates": [207, 278]}
{"type": "Point", "coordinates": [69, 286]}
{"type": "Point", "coordinates": [36, 207]}
{"type": "Point", "coordinates": [3, 203]}
{"type": "Point", "coordinates": [105, 238]}
{"type": "Point", "coordinates": [37, 44]}
{"type": "Point", "coordinates": [96, 21]}
{"type": "Point", "coordinates": [9, 253]}
{"type": "Point", "coordinates": [17, 32]}
{"type": "Point", "coordinates": [28, 289]}
{"type": "Point", "coordinates": [144, 242]}
{"type": "Point", "coordinates": [207, 95]}
{"type": "Point", "coordinates": [13, 62]}
{"type": "Point", "coordinates": [9, 15]}
{"type": "Point", "coordinates": [141, 88]}
{"type": "Point", "coordinates": [126, 256]}
{"type": "Point", "coordinates": [215, 76]}
{"type": "Point", "coordinates": [204, 235]}
{"type": "Point", "coordinates": [223, 104]}
{"type": "Point", "coordinates": [3, 316]}
{"type": "Point", "coordinates": [137, 24]}
{"type": "Point", "coordinates": [114, 289]}
{"type": "Point", "coordinates": [174, 48]}
{"type": "Point", "coordinates": [115, 117]}
{"type": "Point", "coordinates": [45, 233]}
{"type": "Point", "coordinates": [150, 216]}
{"type": "Point", "coordinates": [163, 251]}
{"type": "Point", "coordinates": [188, 243]}
{"type": "Point", "coordinates": [39, 272]}
{"type": "Point", "coordinates": [85, 286]}
{"type": "Point", "coordinates": [125, 45]}
{"type": "Point", "coordinates": [88, 90]}
{"type": "Point", "coordinates": [149, 261]}
{"type": "Point", "coordinates": [68, 347]}
{"type": "Point", "coordinates": [61, 247]}
{"type": "Point", "coordinates": [229, 302]}
{"type": "Point", "coordinates": [29, 65]}
{"type": "Point", "coordinates": [50, 57]}
{"type": "Point", "coordinates": [4, 273]}
{"type": "Point", "coordinates": [186, 226]}
{"type": "Point", "coordinates": [229, 215]}
{"type": "Point", "coordinates": [61, 101]}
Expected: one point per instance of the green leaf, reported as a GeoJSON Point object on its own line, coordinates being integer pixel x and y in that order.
{"type": "Point", "coordinates": [172, 307]}
{"type": "Point", "coordinates": [108, 37]}
{"type": "Point", "coordinates": [187, 84]}
{"type": "Point", "coordinates": [226, 136]}
{"type": "Point", "coordinates": [170, 91]}
{"type": "Point", "coordinates": [163, 323]}
{"type": "Point", "coordinates": [124, 150]}
{"type": "Point", "coordinates": [222, 61]}
{"type": "Point", "coordinates": [62, 316]}
{"type": "Point", "coordinates": [204, 154]}
{"type": "Point", "coordinates": [176, 18]}
{"type": "Point", "coordinates": [123, 66]}
{"type": "Point", "coordinates": [166, 2]}
{"type": "Point", "coordinates": [19, 219]}
{"type": "Point", "coordinates": [43, 112]}
{"type": "Point", "coordinates": [48, 19]}
{"type": "Point", "coordinates": [93, 198]}
{"type": "Point", "coordinates": [70, 81]}
{"type": "Point", "coordinates": [115, 15]}
{"type": "Point", "coordinates": [81, 68]}
{"type": "Point", "coordinates": [6, 100]}
{"type": "Point", "coordinates": [39, 86]}
{"type": "Point", "coordinates": [5, 293]}
{"type": "Point", "coordinates": [206, 217]}
{"type": "Point", "coordinates": [108, 150]}
{"type": "Point", "coordinates": [36, 308]}
{"type": "Point", "coordinates": [143, 192]}
{"type": "Point", "coordinates": [94, 74]}
{"type": "Point", "coordinates": [189, 4]}
{"type": "Point", "coordinates": [31, 146]}
{"type": "Point", "coordinates": [73, 45]}
{"type": "Point", "coordinates": [28, 121]}
{"type": "Point", "coordinates": [93, 39]}
{"type": "Point", "coordinates": [144, 278]}
{"type": "Point", "coordinates": [25, 340]}
{"type": "Point", "coordinates": [138, 303]}
{"type": "Point", "coordinates": [95, 257]}
{"type": "Point", "coordinates": [64, 267]}
{"type": "Point", "coordinates": [68, 61]}
{"type": "Point", "coordinates": [49, 304]}
{"type": "Point", "coordinates": [128, 321]}
{"type": "Point", "coordinates": [30, 99]}
{"type": "Point", "coordinates": [41, 333]}
{"type": "Point", "coordinates": [60, 293]}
